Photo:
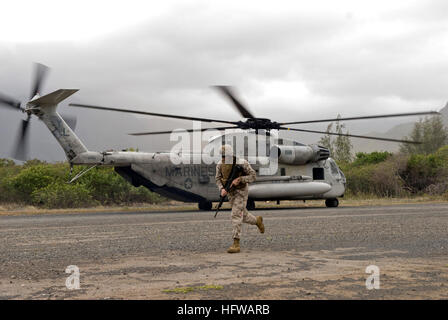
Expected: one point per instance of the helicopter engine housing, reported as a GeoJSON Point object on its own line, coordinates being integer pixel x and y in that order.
{"type": "Point", "coordinates": [299, 155]}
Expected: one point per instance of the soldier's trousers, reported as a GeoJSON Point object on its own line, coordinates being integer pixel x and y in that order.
{"type": "Point", "coordinates": [238, 200]}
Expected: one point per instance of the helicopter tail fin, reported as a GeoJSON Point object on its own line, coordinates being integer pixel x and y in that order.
{"type": "Point", "coordinates": [53, 98]}
{"type": "Point", "coordinates": [46, 110]}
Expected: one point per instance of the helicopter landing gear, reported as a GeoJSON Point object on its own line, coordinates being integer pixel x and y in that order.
{"type": "Point", "coordinates": [205, 205]}
{"type": "Point", "coordinates": [250, 205]}
{"type": "Point", "coordinates": [332, 203]}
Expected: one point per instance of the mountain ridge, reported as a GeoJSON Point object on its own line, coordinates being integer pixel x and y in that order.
{"type": "Point", "coordinates": [396, 132]}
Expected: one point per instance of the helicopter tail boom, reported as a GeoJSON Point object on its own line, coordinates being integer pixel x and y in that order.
{"type": "Point", "coordinates": [45, 108]}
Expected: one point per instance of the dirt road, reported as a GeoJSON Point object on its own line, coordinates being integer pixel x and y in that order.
{"type": "Point", "coordinates": [306, 253]}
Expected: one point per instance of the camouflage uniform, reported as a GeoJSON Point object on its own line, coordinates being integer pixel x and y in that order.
{"type": "Point", "coordinates": [238, 195]}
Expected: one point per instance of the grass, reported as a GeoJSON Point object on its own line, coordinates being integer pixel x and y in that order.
{"type": "Point", "coordinates": [17, 209]}
{"type": "Point", "coordinates": [191, 289]}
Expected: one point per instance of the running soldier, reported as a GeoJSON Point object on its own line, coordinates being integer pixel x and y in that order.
{"type": "Point", "coordinates": [238, 194]}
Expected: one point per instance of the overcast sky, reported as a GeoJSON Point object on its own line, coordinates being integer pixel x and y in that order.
{"type": "Point", "coordinates": [290, 60]}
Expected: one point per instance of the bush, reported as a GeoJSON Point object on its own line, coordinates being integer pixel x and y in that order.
{"type": "Point", "coordinates": [32, 178]}
{"type": "Point", "coordinates": [106, 186]}
{"type": "Point", "coordinates": [143, 195]}
{"type": "Point", "coordinates": [56, 195]}
{"type": "Point", "coordinates": [442, 155]}
{"type": "Point", "coordinates": [363, 159]}
{"type": "Point", "coordinates": [381, 180]}
{"type": "Point", "coordinates": [437, 189]}
{"type": "Point", "coordinates": [386, 179]}
{"type": "Point", "coordinates": [386, 175]}
{"type": "Point", "coordinates": [6, 163]}
{"type": "Point", "coordinates": [358, 179]}
{"type": "Point", "coordinates": [424, 170]}
{"type": "Point", "coordinates": [41, 184]}
{"type": "Point", "coordinates": [7, 170]}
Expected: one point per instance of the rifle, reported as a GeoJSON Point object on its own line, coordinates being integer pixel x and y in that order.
{"type": "Point", "coordinates": [234, 173]}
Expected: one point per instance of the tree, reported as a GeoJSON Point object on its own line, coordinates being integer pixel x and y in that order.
{"type": "Point", "coordinates": [341, 146]}
{"type": "Point", "coordinates": [431, 132]}
{"type": "Point", "coordinates": [325, 141]}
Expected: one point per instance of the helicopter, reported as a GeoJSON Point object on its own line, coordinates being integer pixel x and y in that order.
{"type": "Point", "coordinates": [301, 172]}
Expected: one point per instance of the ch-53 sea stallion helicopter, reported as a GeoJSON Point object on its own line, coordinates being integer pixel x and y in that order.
{"type": "Point", "coordinates": [303, 172]}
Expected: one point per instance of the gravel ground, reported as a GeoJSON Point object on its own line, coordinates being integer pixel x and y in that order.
{"type": "Point", "coordinates": [306, 253]}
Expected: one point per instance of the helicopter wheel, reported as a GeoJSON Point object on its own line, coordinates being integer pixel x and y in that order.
{"type": "Point", "coordinates": [332, 203]}
{"type": "Point", "coordinates": [205, 205]}
{"type": "Point", "coordinates": [250, 205]}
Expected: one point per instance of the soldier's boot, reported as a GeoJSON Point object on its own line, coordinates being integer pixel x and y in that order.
{"type": "Point", "coordinates": [235, 247]}
{"type": "Point", "coordinates": [260, 224]}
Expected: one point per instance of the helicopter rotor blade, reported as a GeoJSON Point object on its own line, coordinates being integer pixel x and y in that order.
{"type": "Point", "coordinates": [150, 113]}
{"type": "Point", "coordinates": [365, 117]}
{"type": "Point", "coordinates": [228, 92]}
{"type": "Point", "coordinates": [10, 102]}
{"type": "Point", "coordinates": [21, 149]}
{"type": "Point", "coordinates": [351, 135]}
{"type": "Point", "coordinates": [188, 130]}
{"type": "Point", "coordinates": [40, 72]}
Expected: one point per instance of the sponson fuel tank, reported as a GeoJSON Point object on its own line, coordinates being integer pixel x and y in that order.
{"type": "Point", "coordinates": [299, 154]}
{"type": "Point", "coordinates": [266, 191]}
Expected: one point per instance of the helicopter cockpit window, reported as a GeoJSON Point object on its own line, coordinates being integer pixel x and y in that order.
{"type": "Point", "coordinates": [318, 174]}
{"type": "Point", "coordinates": [334, 168]}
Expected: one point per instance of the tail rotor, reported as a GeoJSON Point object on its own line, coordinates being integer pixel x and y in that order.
{"type": "Point", "coordinates": [21, 145]}
{"type": "Point", "coordinates": [40, 73]}
{"type": "Point", "coordinates": [21, 148]}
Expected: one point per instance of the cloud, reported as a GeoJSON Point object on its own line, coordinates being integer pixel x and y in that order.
{"type": "Point", "coordinates": [289, 60]}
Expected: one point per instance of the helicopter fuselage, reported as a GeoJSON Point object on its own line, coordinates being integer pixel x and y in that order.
{"type": "Point", "coordinates": [196, 182]}
{"type": "Point", "coordinates": [308, 174]}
